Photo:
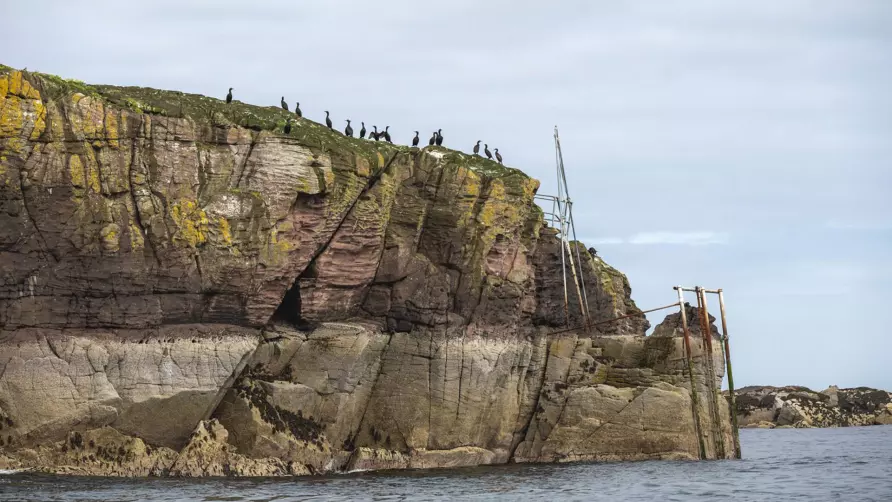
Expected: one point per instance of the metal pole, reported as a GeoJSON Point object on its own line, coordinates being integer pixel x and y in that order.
{"type": "Point", "coordinates": [567, 218]}
{"type": "Point", "coordinates": [733, 399]}
{"type": "Point", "coordinates": [560, 212]}
{"type": "Point", "coordinates": [579, 259]}
{"type": "Point", "coordinates": [718, 435]}
{"type": "Point", "coordinates": [582, 310]}
{"type": "Point", "coordinates": [695, 400]}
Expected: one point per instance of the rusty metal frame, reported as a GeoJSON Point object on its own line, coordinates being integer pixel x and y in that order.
{"type": "Point", "coordinates": [695, 399]}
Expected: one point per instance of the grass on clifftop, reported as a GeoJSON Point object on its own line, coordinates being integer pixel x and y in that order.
{"type": "Point", "coordinates": [214, 112]}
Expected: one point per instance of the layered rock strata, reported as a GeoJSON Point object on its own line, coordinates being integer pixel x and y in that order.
{"type": "Point", "coordinates": [186, 290]}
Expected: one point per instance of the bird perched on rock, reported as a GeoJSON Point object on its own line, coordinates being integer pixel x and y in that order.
{"type": "Point", "coordinates": [349, 130]}
{"type": "Point", "coordinates": [284, 104]}
{"type": "Point", "coordinates": [229, 96]}
{"type": "Point", "coordinates": [375, 135]}
{"type": "Point", "coordinates": [362, 131]}
{"type": "Point", "coordinates": [287, 128]}
{"type": "Point", "coordinates": [433, 139]}
{"type": "Point", "coordinates": [477, 148]}
{"type": "Point", "coordinates": [498, 156]}
{"type": "Point", "coordinates": [386, 134]}
{"type": "Point", "coordinates": [439, 137]}
{"type": "Point", "coordinates": [592, 251]}
{"type": "Point", "coordinates": [328, 120]}
{"type": "Point", "coordinates": [415, 140]}
{"type": "Point", "coordinates": [486, 151]}
{"type": "Point", "coordinates": [297, 109]}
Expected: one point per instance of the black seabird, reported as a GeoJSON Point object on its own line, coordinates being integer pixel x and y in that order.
{"type": "Point", "coordinates": [387, 135]}
{"type": "Point", "coordinates": [498, 156]}
{"type": "Point", "coordinates": [349, 130]}
{"type": "Point", "coordinates": [486, 151]}
{"type": "Point", "coordinates": [439, 137]}
{"type": "Point", "coordinates": [229, 96]}
{"type": "Point", "coordinates": [297, 109]}
{"type": "Point", "coordinates": [284, 104]}
{"type": "Point", "coordinates": [328, 120]}
{"type": "Point", "coordinates": [415, 139]}
{"type": "Point", "coordinates": [477, 148]}
{"type": "Point", "coordinates": [433, 139]}
{"type": "Point", "coordinates": [362, 131]}
{"type": "Point", "coordinates": [287, 128]}
{"type": "Point", "coordinates": [375, 135]}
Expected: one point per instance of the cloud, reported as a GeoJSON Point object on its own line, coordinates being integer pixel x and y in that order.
{"type": "Point", "coordinates": [680, 238]}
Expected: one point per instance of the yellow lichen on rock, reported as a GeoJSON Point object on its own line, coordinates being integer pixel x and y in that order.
{"type": "Point", "coordinates": [109, 237]}
{"type": "Point", "coordinates": [225, 230]}
{"type": "Point", "coordinates": [136, 239]}
{"type": "Point", "coordinates": [76, 169]}
{"type": "Point", "coordinates": [12, 117]}
{"type": "Point", "coordinates": [191, 222]}
{"type": "Point", "coordinates": [39, 119]}
{"type": "Point", "coordinates": [276, 250]}
{"type": "Point", "coordinates": [111, 129]}
{"type": "Point", "coordinates": [362, 166]}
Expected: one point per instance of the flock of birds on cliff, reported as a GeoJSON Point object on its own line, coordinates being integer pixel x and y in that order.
{"type": "Point", "coordinates": [436, 138]}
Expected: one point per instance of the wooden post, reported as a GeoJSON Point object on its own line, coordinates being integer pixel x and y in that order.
{"type": "Point", "coordinates": [695, 400]}
{"type": "Point", "coordinates": [732, 401]}
{"type": "Point", "coordinates": [718, 435]}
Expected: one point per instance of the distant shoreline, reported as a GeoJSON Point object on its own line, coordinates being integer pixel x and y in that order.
{"type": "Point", "coordinates": [767, 407]}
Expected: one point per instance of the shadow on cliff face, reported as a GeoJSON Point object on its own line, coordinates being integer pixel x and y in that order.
{"type": "Point", "coordinates": [289, 311]}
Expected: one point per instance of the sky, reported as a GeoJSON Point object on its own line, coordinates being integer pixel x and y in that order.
{"type": "Point", "coordinates": [742, 145]}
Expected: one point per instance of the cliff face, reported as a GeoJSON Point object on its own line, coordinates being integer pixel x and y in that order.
{"type": "Point", "coordinates": [185, 289]}
{"type": "Point", "coordinates": [801, 407]}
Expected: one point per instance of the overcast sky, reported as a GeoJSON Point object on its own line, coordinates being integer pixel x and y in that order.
{"type": "Point", "coordinates": [736, 144]}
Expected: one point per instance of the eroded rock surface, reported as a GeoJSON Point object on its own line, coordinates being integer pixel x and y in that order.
{"type": "Point", "coordinates": [801, 407]}
{"type": "Point", "coordinates": [193, 292]}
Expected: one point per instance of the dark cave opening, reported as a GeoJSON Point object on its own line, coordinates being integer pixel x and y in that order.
{"type": "Point", "coordinates": [289, 310]}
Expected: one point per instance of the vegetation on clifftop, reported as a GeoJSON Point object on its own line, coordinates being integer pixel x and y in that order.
{"type": "Point", "coordinates": [216, 113]}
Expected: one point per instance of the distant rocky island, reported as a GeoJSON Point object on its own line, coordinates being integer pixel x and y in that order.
{"type": "Point", "coordinates": [800, 407]}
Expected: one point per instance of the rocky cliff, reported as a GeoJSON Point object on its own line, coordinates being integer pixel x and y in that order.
{"type": "Point", "coordinates": [801, 407]}
{"type": "Point", "coordinates": [187, 290]}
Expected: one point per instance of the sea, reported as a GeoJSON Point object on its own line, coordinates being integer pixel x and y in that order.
{"type": "Point", "coordinates": [847, 464]}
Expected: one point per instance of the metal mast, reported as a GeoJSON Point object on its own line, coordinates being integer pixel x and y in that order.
{"type": "Point", "coordinates": [561, 218]}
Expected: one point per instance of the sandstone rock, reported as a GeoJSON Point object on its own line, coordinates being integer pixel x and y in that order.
{"type": "Point", "coordinates": [209, 454]}
{"type": "Point", "coordinates": [180, 279]}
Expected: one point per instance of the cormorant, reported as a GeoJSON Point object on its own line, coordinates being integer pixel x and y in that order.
{"type": "Point", "coordinates": [375, 135]}
{"type": "Point", "coordinates": [328, 120]}
{"type": "Point", "coordinates": [477, 148]}
{"type": "Point", "coordinates": [498, 156]}
{"type": "Point", "coordinates": [287, 128]}
{"type": "Point", "coordinates": [439, 137]}
{"type": "Point", "coordinates": [362, 131]}
{"type": "Point", "coordinates": [486, 151]}
{"type": "Point", "coordinates": [592, 251]}
{"type": "Point", "coordinates": [284, 104]}
{"type": "Point", "coordinates": [297, 109]}
{"type": "Point", "coordinates": [387, 135]}
{"type": "Point", "coordinates": [433, 139]}
{"type": "Point", "coordinates": [349, 130]}
{"type": "Point", "coordinates": [415, 139]}
{"type": "Point", "coordinates": [229, 96]}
